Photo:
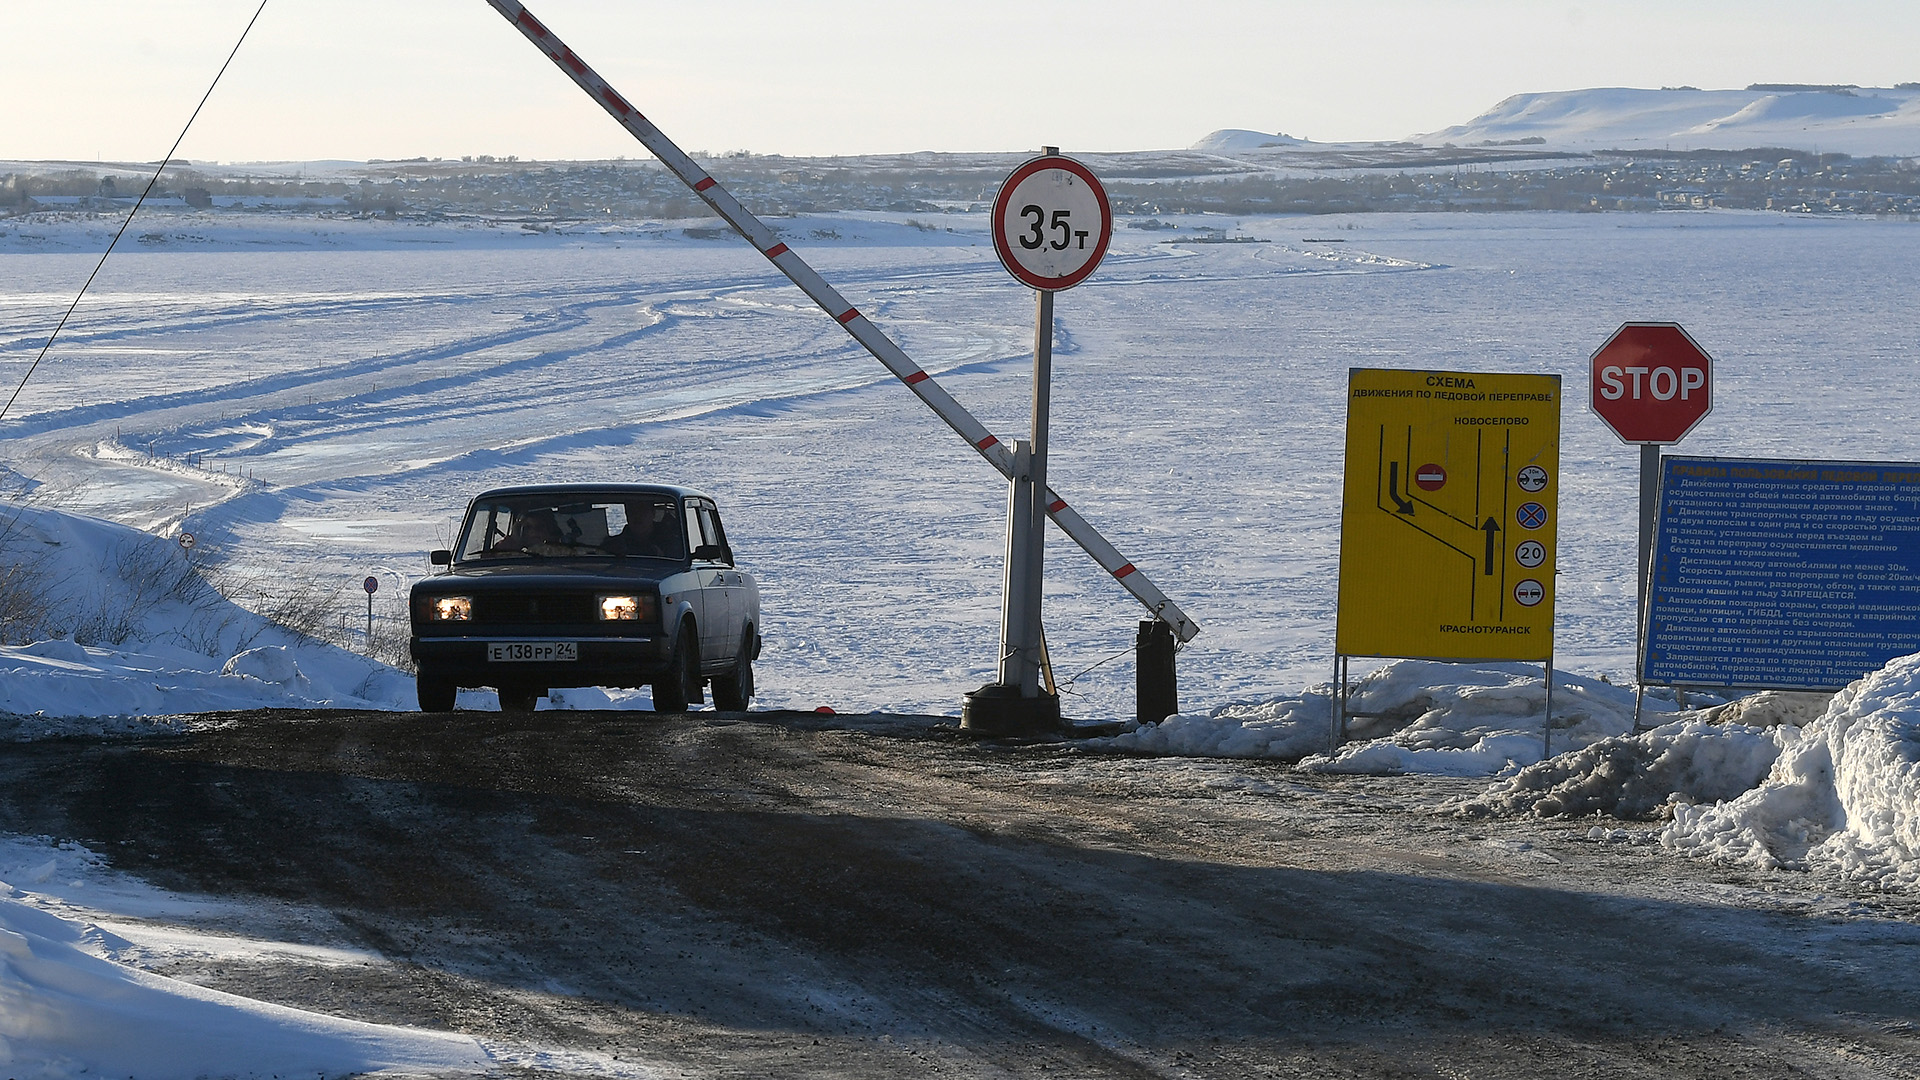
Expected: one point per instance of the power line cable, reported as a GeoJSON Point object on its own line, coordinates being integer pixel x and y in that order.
{"type": "Point", "coordinates": [137, 203]}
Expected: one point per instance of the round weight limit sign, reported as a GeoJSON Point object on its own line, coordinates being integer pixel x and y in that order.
{"type": "Point", "coordinates": [1051, 223]}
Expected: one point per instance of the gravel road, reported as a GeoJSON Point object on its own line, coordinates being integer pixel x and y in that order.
{"type": "Point", "coordinates": [606, 894]}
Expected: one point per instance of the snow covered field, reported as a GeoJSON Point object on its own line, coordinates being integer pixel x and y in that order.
{"type": "Point", "coordinates": [315, 400]}
{"type": "Point", "coordinates": [342, 387]}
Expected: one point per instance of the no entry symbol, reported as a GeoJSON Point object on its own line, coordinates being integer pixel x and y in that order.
{"type": "Point", "coordinates": [1430, 477]}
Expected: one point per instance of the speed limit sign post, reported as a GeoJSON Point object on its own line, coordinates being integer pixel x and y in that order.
{"type": "Point", "coordinates": [1051, 227]}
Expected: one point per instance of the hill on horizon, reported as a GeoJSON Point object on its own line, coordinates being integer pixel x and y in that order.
{"type": "Point", "coordinates": [1861, 121]}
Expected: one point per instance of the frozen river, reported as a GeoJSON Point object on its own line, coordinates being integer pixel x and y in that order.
{"type": "Point", "coordinates": [342, 388]}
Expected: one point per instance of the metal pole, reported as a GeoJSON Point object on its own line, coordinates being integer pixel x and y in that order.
{"type": "Point", "coordinates": [1546, 742]}
{"type": "Point", "coordinates": [1649, 505]}
{"type": "Point", "coordinates": [369, 624]}
{"type": "Point", "coordinates": [1036, 535]}
{"type": "Point", "coordinates": [1016, 640]}
{"type": "Point", "coordinates": [1335, 721]}
{"type": "Point", "coordinates": [1649, 500]}
{"type": "Point", "coordinates": [784, 259]}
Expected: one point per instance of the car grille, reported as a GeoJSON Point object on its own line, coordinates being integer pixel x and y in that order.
{"type": "Point", "coordinates": [495, 608]}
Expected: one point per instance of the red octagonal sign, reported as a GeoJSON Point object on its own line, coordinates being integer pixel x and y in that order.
{"type": "Point", "coordinates": [1651, 383]}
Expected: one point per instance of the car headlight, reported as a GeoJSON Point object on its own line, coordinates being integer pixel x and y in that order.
{"type": "Point", "coordinates": [451, 609]}
{"type": "Point", "coordinates": [621, 608]}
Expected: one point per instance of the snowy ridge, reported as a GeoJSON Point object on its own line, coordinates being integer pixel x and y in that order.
{"type": "Point", "coordinates": [123, 626]}
{"type": "Point", "coordinates": [1862, 121]}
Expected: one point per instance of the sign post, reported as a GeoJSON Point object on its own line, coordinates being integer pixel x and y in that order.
{"type": "Point", "coordinates": [1651, 383]}
{"type": "Point", "coordinates": [372, 585]}
{"type": "Point", "coordinates": [1051, 228]}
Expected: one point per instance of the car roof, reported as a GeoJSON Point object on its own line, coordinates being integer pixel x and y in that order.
{"type": "Point", "coordinates": [593, 489]}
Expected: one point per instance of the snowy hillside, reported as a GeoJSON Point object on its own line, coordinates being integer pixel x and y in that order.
{"type": "Point", "coordinates": [1240, 141]}
{"type": "Point", "coordinates": [100, 620]}
{"type": "Point", "coordinates": [1862, 121]}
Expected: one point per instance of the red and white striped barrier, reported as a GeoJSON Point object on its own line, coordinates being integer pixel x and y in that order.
{"type": "Point", "coordinates": [868, 335]}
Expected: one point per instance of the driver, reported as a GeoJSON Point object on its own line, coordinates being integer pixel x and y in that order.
{"type": "Point", "coordinates": [536, 533]}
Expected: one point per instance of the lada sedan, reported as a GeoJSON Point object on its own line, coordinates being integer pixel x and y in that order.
{"type": "Point", "coordinates": [624, 585]}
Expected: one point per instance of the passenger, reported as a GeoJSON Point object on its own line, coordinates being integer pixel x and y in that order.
{"type": "Point", "coordinates": [652, 532]}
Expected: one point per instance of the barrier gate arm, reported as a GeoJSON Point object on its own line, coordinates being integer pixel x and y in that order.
{"type": "Point", "coordinates": [829, 299]}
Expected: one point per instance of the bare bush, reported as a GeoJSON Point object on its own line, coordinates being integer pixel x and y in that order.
{"type": "Point", "coordinates": [26, 601]}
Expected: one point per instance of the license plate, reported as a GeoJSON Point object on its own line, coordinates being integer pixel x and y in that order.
{"type": "Point", "coordinates": [533, 651]}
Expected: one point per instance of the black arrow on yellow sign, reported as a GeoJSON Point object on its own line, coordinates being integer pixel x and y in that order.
{"type": "Point", "coordinates": [1393, 489]}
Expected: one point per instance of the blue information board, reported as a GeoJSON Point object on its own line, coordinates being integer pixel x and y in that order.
{"type": "Point", "coordinates": [1793, 575]}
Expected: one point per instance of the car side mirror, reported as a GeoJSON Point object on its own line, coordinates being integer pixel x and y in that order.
{"type": "Point", "coordinates": [714, 553]}
{"type": "Point", "coordinates": [440, 557]}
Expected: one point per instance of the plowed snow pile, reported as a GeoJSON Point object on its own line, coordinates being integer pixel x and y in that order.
{"type": "Point", "coordinates": [1773, 780]}
{"type": "Point", "coordinates": [1412, 716]}
{"type": "Point", "coordinates": [1766, 782]}
{"type": "Point", "coordinates": [1704, 756]}
{"type": "Point", "coordinates": [1843, 795]}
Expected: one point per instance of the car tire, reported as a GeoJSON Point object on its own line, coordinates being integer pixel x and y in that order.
{"type": "Point", "coordinates": [436, 691]}
{"type": "Point", "coordinates": [733, 691]}
{"type": "Point", "coordinates": [518, 699]}
{"type": "Point", "coordinates": [678, 687]}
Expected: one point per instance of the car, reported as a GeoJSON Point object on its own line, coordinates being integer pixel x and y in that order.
{"type": "Point", "coordinates": [561, 585]}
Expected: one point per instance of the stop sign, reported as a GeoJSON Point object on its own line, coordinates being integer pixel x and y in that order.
{"type": "Point", "coordinates": [1651, 383]}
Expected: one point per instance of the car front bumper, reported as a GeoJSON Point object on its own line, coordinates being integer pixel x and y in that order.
{"type": "Point", "coordinates": [625, 662]}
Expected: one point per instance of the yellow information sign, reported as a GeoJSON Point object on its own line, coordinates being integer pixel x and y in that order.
{"type": "Point", "coordinates": [1447, 532]}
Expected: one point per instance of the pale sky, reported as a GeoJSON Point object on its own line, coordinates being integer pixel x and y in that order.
{"type": "Point", "coordinates": [358, 79]}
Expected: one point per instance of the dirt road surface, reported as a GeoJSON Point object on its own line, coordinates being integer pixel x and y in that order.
{"type": "Point", "coordinates": [604, 894]}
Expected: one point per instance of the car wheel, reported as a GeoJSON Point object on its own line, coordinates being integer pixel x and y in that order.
{"type": "Point", "coordinates": [734, 690]}
{"type": "Point", "coordinates": [436, 691]}
{"type": "Point", "coordinates": [678, 687]}
{"type": "Point", "coordinates": [518, 699]}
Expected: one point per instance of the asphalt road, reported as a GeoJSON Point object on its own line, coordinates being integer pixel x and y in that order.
{"type": "Point", "coordinates": [792, 895]}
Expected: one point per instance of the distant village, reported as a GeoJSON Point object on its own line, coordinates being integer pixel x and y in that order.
{"type": "Point", "coordinates": [1392, 178]}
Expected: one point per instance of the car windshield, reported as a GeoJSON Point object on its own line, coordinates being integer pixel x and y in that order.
{"type": "Point", "coordinates": [576, 525]}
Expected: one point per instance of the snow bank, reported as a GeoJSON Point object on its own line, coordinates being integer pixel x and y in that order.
{"type": "Point", "coordinates": [1843, 795]}
{"type": "Point", "coordinates": [1704, 756]}
{"type": "Point", "coordinates": [1422, 717]}
{"type": "Point", "coordinates": [66, 1012]}
{"type": "Point", "coordinates": [1774, 781]}
{"type": "Point", "coordinates": [1637, 776]}
{"type": "Point", "coordinates": [118, 623]}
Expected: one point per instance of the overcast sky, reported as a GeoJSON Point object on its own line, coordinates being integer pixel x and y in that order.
{"type": "Point", "coordinates": [358, 79]}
